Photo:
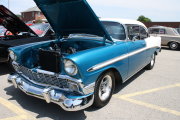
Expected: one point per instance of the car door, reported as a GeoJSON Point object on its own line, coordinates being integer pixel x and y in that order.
{"type": "Point", "coordinates": [136, 52]}
{"type": "Point", "coordinates": [164, 35]}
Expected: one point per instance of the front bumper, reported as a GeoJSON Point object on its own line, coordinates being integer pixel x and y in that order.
{"type": "Point", "coordinates": [67, 100]}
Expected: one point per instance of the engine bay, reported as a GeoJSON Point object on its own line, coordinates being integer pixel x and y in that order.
{"type": "Point", "coordinates": [49, 57]}
{"type": "Point", "coordinates": [67, 47]}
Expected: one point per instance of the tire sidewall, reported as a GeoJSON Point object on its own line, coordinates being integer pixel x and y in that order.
{"type": "Point", "coordinates": [150, 66]}
{"type": "Point", "coordinates": [154, 59]}
{"type": "Point", "coordinates": [97, 101]}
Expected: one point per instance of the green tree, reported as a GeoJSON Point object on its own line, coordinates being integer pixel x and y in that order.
{"type": "Point", "coordinates": [142, 18]}
{"type": "Point", "coordinates": [38, 21]}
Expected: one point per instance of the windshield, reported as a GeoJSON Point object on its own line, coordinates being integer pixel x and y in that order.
{"type": "Point", "coordinates": [39, 29]}
{"type": "Point", "coordinates": [115, 30]}
{"type": "Point", "coordinates": [175, 31]}
{"type": "Point", "coordinates": [81, 35]}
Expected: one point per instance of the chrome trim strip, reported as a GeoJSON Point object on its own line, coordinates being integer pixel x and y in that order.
{"type": "Point", "coordinates": [114, 60]}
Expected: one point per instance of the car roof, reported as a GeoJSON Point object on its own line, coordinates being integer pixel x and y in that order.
{"type": "Point", "coordinates": [123, 21]}
{"type": "Point", "coordinates": [160, 27]}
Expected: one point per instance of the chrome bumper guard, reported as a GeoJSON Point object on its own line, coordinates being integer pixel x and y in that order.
{"type": "Point", "coordinates": [67, 101]}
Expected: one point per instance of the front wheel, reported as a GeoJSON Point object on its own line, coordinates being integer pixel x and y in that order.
{"type": "Point", "coordinates": [104, 89]}
{"type": "Point", "coordinates": [173, 45]}
{"type": "Point", "coordinates": [152, 63]}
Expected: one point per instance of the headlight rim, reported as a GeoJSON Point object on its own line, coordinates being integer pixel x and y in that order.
{"type": "Point", "coordinates": [12, 55]}
{"type": "Point", "coordinates": [73, 64]}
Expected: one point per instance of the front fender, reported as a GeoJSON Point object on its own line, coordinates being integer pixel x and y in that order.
{"type": "Point", "coordinates": [89, 58]}
{"type": "Point", "coordinates": [23, 49]}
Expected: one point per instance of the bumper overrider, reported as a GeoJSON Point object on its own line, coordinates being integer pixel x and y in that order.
{"type": "Point", "coordinates": [66, 98]}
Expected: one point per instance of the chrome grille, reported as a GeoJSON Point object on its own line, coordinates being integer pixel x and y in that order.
{"type": "Point", "coordinates": [42, 78]}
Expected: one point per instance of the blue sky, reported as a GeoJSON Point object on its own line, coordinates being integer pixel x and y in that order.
{"type": "Point", "coordinates": [157, 10]}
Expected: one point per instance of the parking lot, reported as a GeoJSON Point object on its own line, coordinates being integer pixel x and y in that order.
{"type": "Point", "coordinates": [149, 95]}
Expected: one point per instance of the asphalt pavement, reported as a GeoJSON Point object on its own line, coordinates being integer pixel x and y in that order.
{"type": "Point", "coordinates": [149, 95]}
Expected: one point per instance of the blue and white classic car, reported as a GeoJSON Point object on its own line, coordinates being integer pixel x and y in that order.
{"type": "Point", "coordinates": [82, 66]}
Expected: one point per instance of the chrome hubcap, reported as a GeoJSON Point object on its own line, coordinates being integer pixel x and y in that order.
{"type": "Point", "coordinates": [105, 88]}
{"type": "Point", "coordinates": [174, 45]}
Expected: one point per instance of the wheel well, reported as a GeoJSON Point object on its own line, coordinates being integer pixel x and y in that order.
{"type": "Point", "coordinates": [156, 53]}
{"type": "Point", "coordinates": [173, 41]}
{"type": "Point", "coordinates": [118, 78]}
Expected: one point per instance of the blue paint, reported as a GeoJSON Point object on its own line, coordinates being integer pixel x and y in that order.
{"type": "Point", "coordinates": [137, 61]}
{"type": "Point", "coordinates": [91, 51]}
{"type": "Point", "coordinates": [72, 16]}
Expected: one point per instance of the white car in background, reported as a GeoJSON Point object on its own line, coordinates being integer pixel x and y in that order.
{"type": "Point", "coordinates": [178, 29]}
{"type": "Point", "coordinates": [169, 36]}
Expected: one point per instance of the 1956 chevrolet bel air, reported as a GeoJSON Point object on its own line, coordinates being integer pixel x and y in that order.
{"type": "Point", "coordinates": [82, 66]}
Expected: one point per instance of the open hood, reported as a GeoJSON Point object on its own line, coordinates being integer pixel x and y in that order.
{"type": "Point", "coordinates": [12, 23]}
{"type": "Point", "coordinates": [72, 16]}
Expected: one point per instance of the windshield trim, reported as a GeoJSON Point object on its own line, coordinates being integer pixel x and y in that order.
{"type": "Point", "coordinates": [122, 25]}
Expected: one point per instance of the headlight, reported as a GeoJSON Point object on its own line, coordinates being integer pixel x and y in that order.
{"type": "Point", "coordinates": [70, 67]}
{"type": "Point", "coordinates": [12, 55]}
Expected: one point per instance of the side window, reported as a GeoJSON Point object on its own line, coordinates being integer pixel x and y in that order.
{"type": "Point", "coordinates": [133, 32]}
{"type": "Point", "coordinates": [162, 31]}
{"type": "Point", "coordinates": [154, 31]}
{"type": "Point", "coordinates": [143, 33]}
{"type": "Point", "coordinates": [136, 32]}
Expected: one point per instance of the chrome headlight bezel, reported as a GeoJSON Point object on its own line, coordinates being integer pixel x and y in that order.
{"type": "Point", "coordinates": [12, 55]}
{"type": "Point", "coordinates": [70, 68]}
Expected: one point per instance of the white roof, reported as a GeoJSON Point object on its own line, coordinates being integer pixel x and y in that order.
{"type": "Point", "coordinates": [33, 9]}
{"type": "Point", "coordinates": [123, 21]}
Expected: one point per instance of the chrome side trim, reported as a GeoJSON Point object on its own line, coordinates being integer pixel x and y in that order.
{"type": "Point", "coordinates": [114, 60]}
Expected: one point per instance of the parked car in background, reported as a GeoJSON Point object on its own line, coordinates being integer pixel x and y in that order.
{"type": "Point", "coordinates": [178, 29]}
{"type": "Point", "coordinates": [169, 36]}
{"type": "Point", "coordinates": [84, 68]}
{"type": "Point", "coordinates": [42, 29]}
{"type": "Point", "coordinates": [15, 32]}
{"type": "Point", "coordinates": [2, 31]}
{"type": "Point", "coordinates": [29, 23]}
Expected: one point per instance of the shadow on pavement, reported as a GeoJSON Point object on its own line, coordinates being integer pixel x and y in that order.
{"type": "Point", "coordinates": [167, 48]}
{"type": "Point", "coordinates": [51, 110]}
{"type": "Point", "coordinates": [121, 86]}
{"type": "Point", "coordinates": [5, 69]}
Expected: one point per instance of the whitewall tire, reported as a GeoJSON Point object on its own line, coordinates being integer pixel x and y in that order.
{"type": "Point", "coordinates": [104, 89]}
{"type": "Point", "coordinates": [152, 63]}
